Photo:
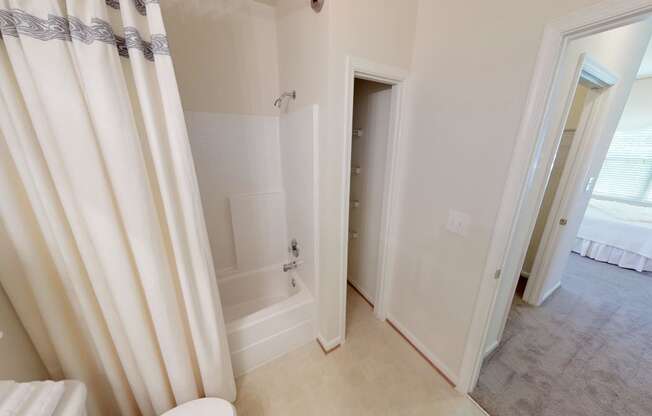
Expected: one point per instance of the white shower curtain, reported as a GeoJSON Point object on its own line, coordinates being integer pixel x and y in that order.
{"type": "Point", "coordinates": [100, 202]}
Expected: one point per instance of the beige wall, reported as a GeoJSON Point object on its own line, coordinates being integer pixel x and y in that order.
{"type": "Point", "coordinates": [381, 32]}
{"type": "Point", "coordinates": [555, 175]}
{"type": "Point", "coordinates": [312, 59]}
{"type": "Point", "coordinates": [459, 141]}
{"type": "Point", "coordinates": [225, 55]}
{"type": "Point", "coordinates": [18, 358]}
{"type": "Point", "coordinates": [303, 44]}
{"type": "Point", "coordinates": [637, 111]}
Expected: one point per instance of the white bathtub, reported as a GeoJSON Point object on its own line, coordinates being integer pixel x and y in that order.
{"type": "Point", "coordinates": [268, 313]}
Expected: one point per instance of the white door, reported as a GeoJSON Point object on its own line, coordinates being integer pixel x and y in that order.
{"type": "Point", "coordinates": [567, 211]}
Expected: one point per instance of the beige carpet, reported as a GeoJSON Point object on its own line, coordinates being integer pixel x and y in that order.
{"type": "Point", "coordinates": [586, 352]}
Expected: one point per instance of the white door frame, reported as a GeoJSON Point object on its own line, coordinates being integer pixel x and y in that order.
{"type": "Point", "coordinates": [605, 15]}
{"type": "Point", "coordinates": [363, 69]}
{"type": "Point", "coordinates": [599, 79]}
{"type": "Point", "coordinates": [574, 174]}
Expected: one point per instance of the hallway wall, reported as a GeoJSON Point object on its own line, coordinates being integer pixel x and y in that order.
{"type": "Point", "coordinates": [458, 143]}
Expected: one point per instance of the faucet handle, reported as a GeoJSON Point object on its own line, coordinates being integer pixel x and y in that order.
{"type": "Point", "coordinates": [293, 249]}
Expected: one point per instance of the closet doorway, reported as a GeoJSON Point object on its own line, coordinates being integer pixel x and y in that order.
{"type": "Point", "coordinates": [371, 110]}
{"type": "Point", "coordinates": [371, 145]}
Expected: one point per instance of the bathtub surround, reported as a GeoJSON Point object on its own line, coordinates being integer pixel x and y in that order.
{"type": "Point", "coordinates": [246, 160]}
{"type": "Point", "coordinates": [258, 181]}
{"type": "Point", "coordinates": [299, 141]}
{"type": "Point", "coordinates": [259, 229]}
{"type": "Point", "coordinates": [101, 205]}
{"type": "Point", "coordinates": [234, 154]}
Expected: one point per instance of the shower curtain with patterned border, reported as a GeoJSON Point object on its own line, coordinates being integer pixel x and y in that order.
{"type": "Point", "coordinates": [100, 204]}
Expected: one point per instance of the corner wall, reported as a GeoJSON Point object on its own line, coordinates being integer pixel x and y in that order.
{"type": "Point", "coordinates": [226, 63]}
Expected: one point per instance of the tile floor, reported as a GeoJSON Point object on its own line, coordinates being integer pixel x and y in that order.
{"type": "Point", "coordinates": [376, 372]}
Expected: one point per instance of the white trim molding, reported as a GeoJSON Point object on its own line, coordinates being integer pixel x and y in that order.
{"type": "Point", "coordinates": [605, 15]}
{"type": "Point", "coordinates": [434, 360]}
{"type": "Point", "coordinates": [550, 292]}
{"type": "Point", "coordinates": [329, 345]}
{"type": "Point", "coordinates": [594, 73]}
{"type": "Point", "coordinates": [395, 77]}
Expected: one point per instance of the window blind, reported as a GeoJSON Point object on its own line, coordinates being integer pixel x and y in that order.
{"type": "Point", "coordinates": [626, 174]}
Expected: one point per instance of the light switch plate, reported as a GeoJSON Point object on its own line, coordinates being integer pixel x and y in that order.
{"type": "Point", "coordinates": [458, 222]}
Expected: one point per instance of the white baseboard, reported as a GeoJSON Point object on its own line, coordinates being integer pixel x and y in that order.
{"type": "Point", "coordinates": [330, 345]}
{"type": "Point", "coordinates": [363, 292]}
{"type": "Point", "coordinates": [484, 412]}
{"type": "Point", "coordinates": [423, 350]}
{"type": "Point", "coordinates": [491, 348]}
{"type": "Point", "coordinates": [550, 292]}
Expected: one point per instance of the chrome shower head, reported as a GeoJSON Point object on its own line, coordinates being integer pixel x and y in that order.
{"type": "Point", "coordinates": [279, 101]}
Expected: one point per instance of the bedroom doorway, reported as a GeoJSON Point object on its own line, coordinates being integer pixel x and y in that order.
{"type": "Point", "coordinates": [567, 186]}
{"type": "Point", "coordinates": [576, 337]}
{"type": "Point", "coordinates": [606, 215]}
{"type": "Point", "coordinates": [565, 157]}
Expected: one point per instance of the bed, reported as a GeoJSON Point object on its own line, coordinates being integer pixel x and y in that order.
{"type": "Point", "coordinates": [617, 233]}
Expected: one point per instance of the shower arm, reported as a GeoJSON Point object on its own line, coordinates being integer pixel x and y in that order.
{"type": "Point", "coordinates": [291, 94]}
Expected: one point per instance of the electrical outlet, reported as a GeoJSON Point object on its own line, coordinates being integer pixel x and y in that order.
{"type": "Point", "coordinates": [458, 222]}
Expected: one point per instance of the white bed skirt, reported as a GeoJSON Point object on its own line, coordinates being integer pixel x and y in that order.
{"type": "Point", "coordinates": [612, 255]}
